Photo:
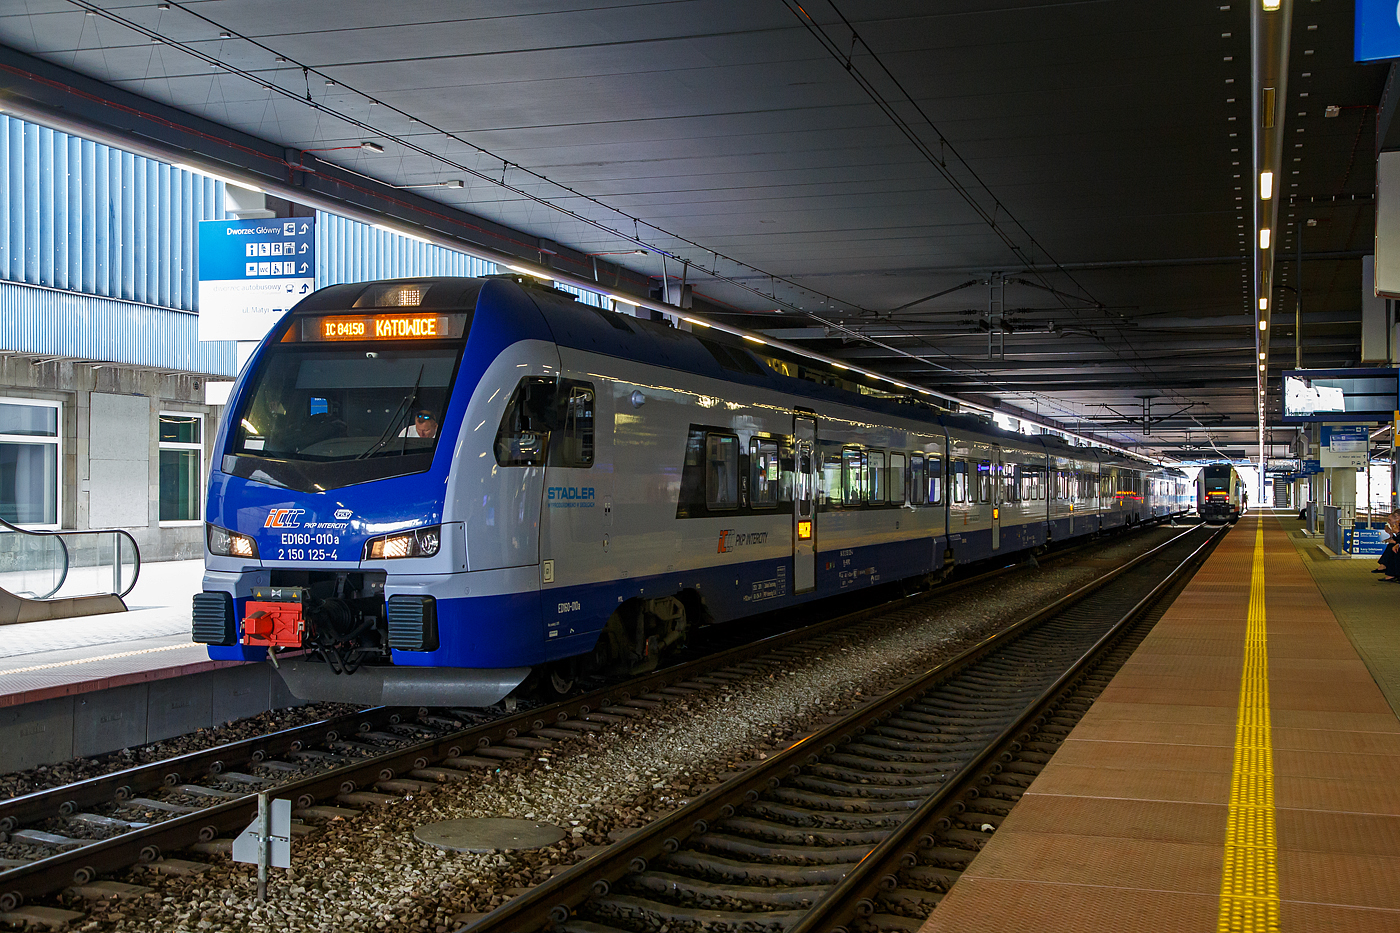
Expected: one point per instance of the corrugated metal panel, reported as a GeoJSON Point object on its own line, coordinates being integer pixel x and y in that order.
{"type": "Point", "coordinates": [81, 216]}
{"type": "Point", "coordinates": [587, 297]}
{"type": "Point", "coordinates": [52, 322]}
{"type": "Point", "coordinates": [349, 251]}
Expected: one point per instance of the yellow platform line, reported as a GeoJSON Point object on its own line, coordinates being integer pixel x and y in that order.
{"type": "Point", "coordinates": [1249, 901]}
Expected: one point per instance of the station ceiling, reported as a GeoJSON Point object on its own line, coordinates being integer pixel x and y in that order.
{"type": "Point", "coordinates": [1041, 205]}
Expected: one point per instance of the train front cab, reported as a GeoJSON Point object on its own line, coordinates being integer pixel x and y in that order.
{"type": "Point", "coordinates": [380, 567]}
{"type": "Point", "coordinates": [1218, 493]}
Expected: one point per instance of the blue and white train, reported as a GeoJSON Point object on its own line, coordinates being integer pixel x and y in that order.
{"type": "Point", "coordinates": [425, 489]}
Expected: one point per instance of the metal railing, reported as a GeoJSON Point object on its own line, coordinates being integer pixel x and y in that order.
{"type": "Point", "coordinates": [59, 564]}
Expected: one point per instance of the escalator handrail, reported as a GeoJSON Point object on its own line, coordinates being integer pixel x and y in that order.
{"type": "Point", "coordinates": [61, 534]}
{"type": "Point", "coordinates": [63, 576]}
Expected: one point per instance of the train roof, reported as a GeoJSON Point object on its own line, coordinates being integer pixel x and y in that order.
{"type": "Point", "coordinates": [715, 354]}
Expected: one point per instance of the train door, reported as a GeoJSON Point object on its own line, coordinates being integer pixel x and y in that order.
{"type": "Point", "coordinates": [804, 509]}
{"type": "Point", "coordinates": [998, 495]}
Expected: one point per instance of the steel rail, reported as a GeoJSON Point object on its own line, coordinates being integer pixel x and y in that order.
{"type": "Point", "coordinates": [854, 896]}
{"type": "Point", "coordinates": [119, 785]}
{"type": "Point", "coordinates": [49, 875]}
{"type": "Point", "coordinates": [555, 900]}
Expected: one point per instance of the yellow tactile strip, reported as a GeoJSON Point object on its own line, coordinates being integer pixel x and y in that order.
{"type": "Point", "coordinates": [1125, 829]}
{"type": "Point", "coordinates": [1249, 882]}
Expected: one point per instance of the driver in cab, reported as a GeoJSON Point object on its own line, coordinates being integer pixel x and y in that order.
{"type": "Point", "coordinates": [424, 424]}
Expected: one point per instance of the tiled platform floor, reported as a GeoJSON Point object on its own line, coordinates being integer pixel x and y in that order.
{"type": "Point", "coordinates": [1368, 610]}
{"type": "Point", "coordinates": [1125, 828]}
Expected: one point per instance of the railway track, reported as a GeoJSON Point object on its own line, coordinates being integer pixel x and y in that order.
{"type": "Point", "coordinates": [867, 823]}
{"type": "Point", "coordinates": [72, 835]}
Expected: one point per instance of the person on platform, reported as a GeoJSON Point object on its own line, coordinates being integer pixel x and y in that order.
{"type": "Point", "coordinates": [1389, 561]}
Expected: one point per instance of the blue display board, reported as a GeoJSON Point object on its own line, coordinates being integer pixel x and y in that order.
{"type": "Point", "coordinates": [251, 272]}
{"type": "Point", "coordinates": [1377, 30]}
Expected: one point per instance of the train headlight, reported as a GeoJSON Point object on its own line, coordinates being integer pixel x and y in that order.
{"type": "Point", "coordinates": [225, 543]}
{"type": "Point", "coordinates": [420, 542]}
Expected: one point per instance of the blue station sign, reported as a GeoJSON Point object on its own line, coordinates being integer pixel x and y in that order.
{"type": "Point", "coordinates": [251, 272]}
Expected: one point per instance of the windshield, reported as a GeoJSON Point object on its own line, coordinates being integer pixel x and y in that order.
{"type": "Point", "coordinates": [344, 399]}
{"type": "Point", "coordinates": [1216, 480]}
{"type": "Point", "coordinates": [346, 404]}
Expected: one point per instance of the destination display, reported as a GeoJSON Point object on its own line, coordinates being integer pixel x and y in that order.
{"type": "Point", "coordinates": [380, 327]}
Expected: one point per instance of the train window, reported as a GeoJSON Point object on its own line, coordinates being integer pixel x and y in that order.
{"type": "Point", "coordinates": [830, 491]}
{"type": "Point", "coordinates": [721, 471]}
{"type": "Point", "coordinates": [898, 485]}
{"type": "Point", "coordinates": [853, 476]}
{"type": "Point", "coordinates": [958, 479]}
{"type": "Point", "coordinates": [876, 491]}
{"type": "Point", "coordinates": [764, 473]}
{"type": "Point", "coordinates": [934, 467]}
{"type": "Point", "coordinates": [575, 437]}
{"type": "Point", "coordinates": [984, 481]}
{"type": "Point", "coordinates": [523, 436]}
{"type": "Point", "coordinates": [918, 485]}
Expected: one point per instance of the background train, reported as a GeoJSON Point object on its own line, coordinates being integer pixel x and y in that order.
{"type": "Point", "coordinates": [434, 486]}
{"type": "Point", "coordinates": [1221, 495]}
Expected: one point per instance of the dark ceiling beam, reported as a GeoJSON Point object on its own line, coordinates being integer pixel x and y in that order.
{"type": "Point", "coordinates": [1343, 255]}
{"type": "Point", "coordinates": [1387, 128]}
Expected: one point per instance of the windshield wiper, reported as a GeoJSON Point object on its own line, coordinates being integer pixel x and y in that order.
{"type": "Point", "coordinates": [403, 407]}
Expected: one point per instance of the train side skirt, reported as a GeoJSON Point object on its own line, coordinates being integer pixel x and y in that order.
{"type": "Point", "coordinates": [402, 686]}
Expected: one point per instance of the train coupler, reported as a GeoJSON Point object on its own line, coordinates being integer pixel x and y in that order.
{"type": "Point", "coordinates": [275, 618]}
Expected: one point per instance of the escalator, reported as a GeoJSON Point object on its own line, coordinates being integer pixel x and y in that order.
{"type": "Point", "coordinates": [61, 574]}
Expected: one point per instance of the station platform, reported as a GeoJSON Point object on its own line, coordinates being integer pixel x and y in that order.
{"type": "Point", "coordinates": [1241, 772]}
{"type": "Point", "coordinates": [94, 684]}
{"type": "Point", "coordinates": [150, 641]}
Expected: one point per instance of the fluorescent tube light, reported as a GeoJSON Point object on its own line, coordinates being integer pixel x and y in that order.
{"type": "Point", "coordinates": [1266, 185]}
{"type": "Point", "coordinates": [226, 179]}
{"type": "Point", "coordinates": [403, 233]}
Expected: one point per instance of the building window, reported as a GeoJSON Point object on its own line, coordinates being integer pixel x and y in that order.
{"type": "Point", "coordinates": [181, 466]}
{"type": "Point", "coordinates": [29, 459]}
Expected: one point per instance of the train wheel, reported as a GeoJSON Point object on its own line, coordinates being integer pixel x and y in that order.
{"type": "Point", "coordinates": [559, 679]}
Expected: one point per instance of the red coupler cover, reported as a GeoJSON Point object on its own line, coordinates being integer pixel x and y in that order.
{"type": "Point", "coordinates": [273, 624]}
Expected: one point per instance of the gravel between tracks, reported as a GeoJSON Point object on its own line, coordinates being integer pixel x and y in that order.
{"type": "Point", "coordinates": [369, 874]}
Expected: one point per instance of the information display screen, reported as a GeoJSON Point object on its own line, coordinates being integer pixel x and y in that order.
{"type": "Point", "coordinates": [1340, 395]}
{"type": "Point", "coordinates": [372, 327]}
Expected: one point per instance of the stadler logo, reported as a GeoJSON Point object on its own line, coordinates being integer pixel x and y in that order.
{"type": "Point", "coordinates": [570, 497]}
{"type": "Point", "coordinates": [284, 518]}
{"type": "Point", "coordinates": [342, 514]}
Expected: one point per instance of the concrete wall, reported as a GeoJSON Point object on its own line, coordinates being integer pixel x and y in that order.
{"type": "Point", "coordinates": [109, 475]}
{"type": "Point", "coordinates": [90, 724]}
{"type": "Point", "coordinates": [119, 461]}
